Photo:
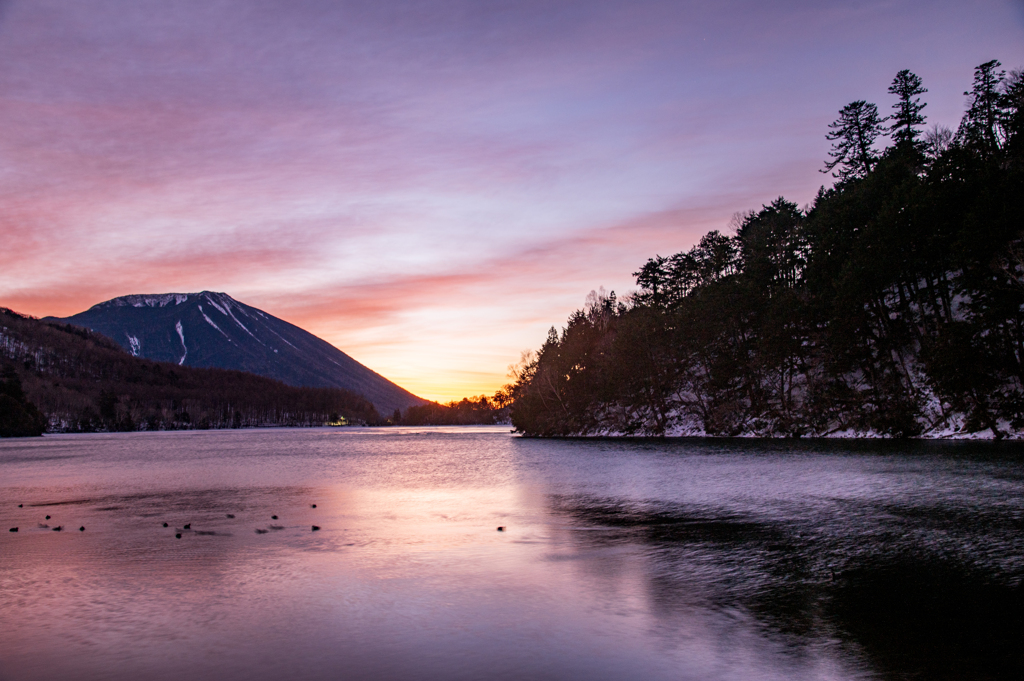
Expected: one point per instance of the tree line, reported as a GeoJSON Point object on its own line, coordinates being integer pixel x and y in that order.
{"type": "Point", "coordinates": [63, 378]}
{"type": "Point", "coordinates": [468, 411]}
{"type": "Point", "coordinates": [892, 305]}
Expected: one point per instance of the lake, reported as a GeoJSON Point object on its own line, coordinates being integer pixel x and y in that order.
{"type": "Point", "coordinates": [686, 559]}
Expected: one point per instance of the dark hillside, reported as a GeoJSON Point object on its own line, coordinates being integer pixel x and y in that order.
{"type": "Point", "coordinates": [83, 381]}
{"type": "Point", "coordinates": [18, 416]}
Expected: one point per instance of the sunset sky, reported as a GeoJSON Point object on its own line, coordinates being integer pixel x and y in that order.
{"type": "Point", "coordinates": [428, 186]}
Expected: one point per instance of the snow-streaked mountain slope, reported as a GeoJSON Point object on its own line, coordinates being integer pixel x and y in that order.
{"type": "Point", "coordinates": [210, 329]}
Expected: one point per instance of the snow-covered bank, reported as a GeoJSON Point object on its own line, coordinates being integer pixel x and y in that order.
{"type": "Point", "coordinates": [937, 423]}
{"type": "Point", "coordinates": [1006, 433]}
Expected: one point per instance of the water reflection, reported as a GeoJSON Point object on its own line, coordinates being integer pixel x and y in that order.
{"type": "Point", "coordinates": [913, 592]}
{"type": "Point", "coordinates": [620, 560]}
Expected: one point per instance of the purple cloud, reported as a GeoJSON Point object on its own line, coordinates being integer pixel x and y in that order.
{"type": "Point", "coordinates": [364, 168]}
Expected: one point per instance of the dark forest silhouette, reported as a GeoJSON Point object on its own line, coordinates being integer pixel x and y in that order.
{"type": "Point", "coordinates": [480, 410]}
{"type": "Point", "coordinates": [892, 305]}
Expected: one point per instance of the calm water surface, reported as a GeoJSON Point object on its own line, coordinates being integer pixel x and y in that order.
{"type": "Point", "coordinates": [621, 560]}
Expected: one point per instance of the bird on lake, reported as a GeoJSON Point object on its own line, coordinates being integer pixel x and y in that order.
{"type": "Point", "coordinates": [273, 517]}
{"type": "Point", "coordinates": [58, 528]}
{"type": "Point", "coordinates": [231, 515]}
{"type": "Point", "coordinates": [188, 526]}
{"type": "Point", "coordinates": [315, 528]}
{"type": "Point", "coordinates": [313, 506]}
{"type": "Point", "coordinates": [47, 517]}
{"type": "Point", "coordinates": [259, 531]}
{"type": "Point", "coordinates": [13, 529]}
{"type": "Point", "coordinates": [82, 528]}
{"type": "Point", "coordinates": [178, 535]}
{"type": "Point", "coordinates": [165, 524]}
{"type": "Point", "coordinates": [501, 529]}
{"type": "Point", "coordinates": [21, 505]}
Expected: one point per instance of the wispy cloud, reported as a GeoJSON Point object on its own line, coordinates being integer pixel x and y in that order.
{"type": "Point", "coordinates": [427, 185]}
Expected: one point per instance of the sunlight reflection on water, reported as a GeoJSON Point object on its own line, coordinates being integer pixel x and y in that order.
{"type": "Point", "coordinates": [681, 560]}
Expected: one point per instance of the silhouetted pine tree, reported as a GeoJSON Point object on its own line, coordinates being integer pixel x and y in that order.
{"type": "Point", "coordinates": [979, 129]}
{"type": "Point", "coordinates": [907, 86]}
{"type": "Point", "coordinates": [854, 134]}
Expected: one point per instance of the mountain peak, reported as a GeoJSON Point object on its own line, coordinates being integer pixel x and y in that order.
{"type": "Point", "coordinates": [212, 329]}
{"type": "Point", "coordinates": [146, 300]}
{"type": "Point", "coordinates": [164, 299]}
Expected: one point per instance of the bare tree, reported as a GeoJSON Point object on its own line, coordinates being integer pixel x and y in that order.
{"type": "Point", "coordinates": [937, 140]}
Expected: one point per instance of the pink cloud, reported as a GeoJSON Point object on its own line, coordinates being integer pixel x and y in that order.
{"type": "Point", "coordinates": [433, 183]}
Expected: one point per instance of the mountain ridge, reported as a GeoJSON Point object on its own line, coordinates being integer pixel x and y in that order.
{"type": "Point", "coordinates": [82, 381]}
{"type": "Point", "coordinates": [213, 330]}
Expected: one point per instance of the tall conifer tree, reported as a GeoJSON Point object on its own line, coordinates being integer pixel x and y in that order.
{"type": "Point", "coordinates": [908, 117]}
{"type": "Point", "coordinates": [979, 128]}
{"type": "Point", "coordinates": [854, 134]}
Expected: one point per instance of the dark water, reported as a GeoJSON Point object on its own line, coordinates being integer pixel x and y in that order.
{"type": "Point", "coordinates": [679, 560]}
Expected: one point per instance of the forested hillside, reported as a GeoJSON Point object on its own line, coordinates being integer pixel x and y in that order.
{"type": "Point", "coordinates": [83, 381]}
{"type": "Point", "coordinates": [890, 306]}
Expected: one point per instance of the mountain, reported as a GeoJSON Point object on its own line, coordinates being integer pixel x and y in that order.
{"type": "Point", "coordinates": [81, 381]}
{"type": "Point", "coordinates": [211, 329]}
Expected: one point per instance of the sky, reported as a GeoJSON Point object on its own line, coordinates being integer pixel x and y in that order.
{"type": "Point", "coordinates": [429, 186]}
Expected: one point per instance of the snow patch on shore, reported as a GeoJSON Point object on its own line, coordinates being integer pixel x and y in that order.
{"type": "Point", "coordinates": [848, 434]}
{"type": "Point", "coordinates": [937, 422]}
